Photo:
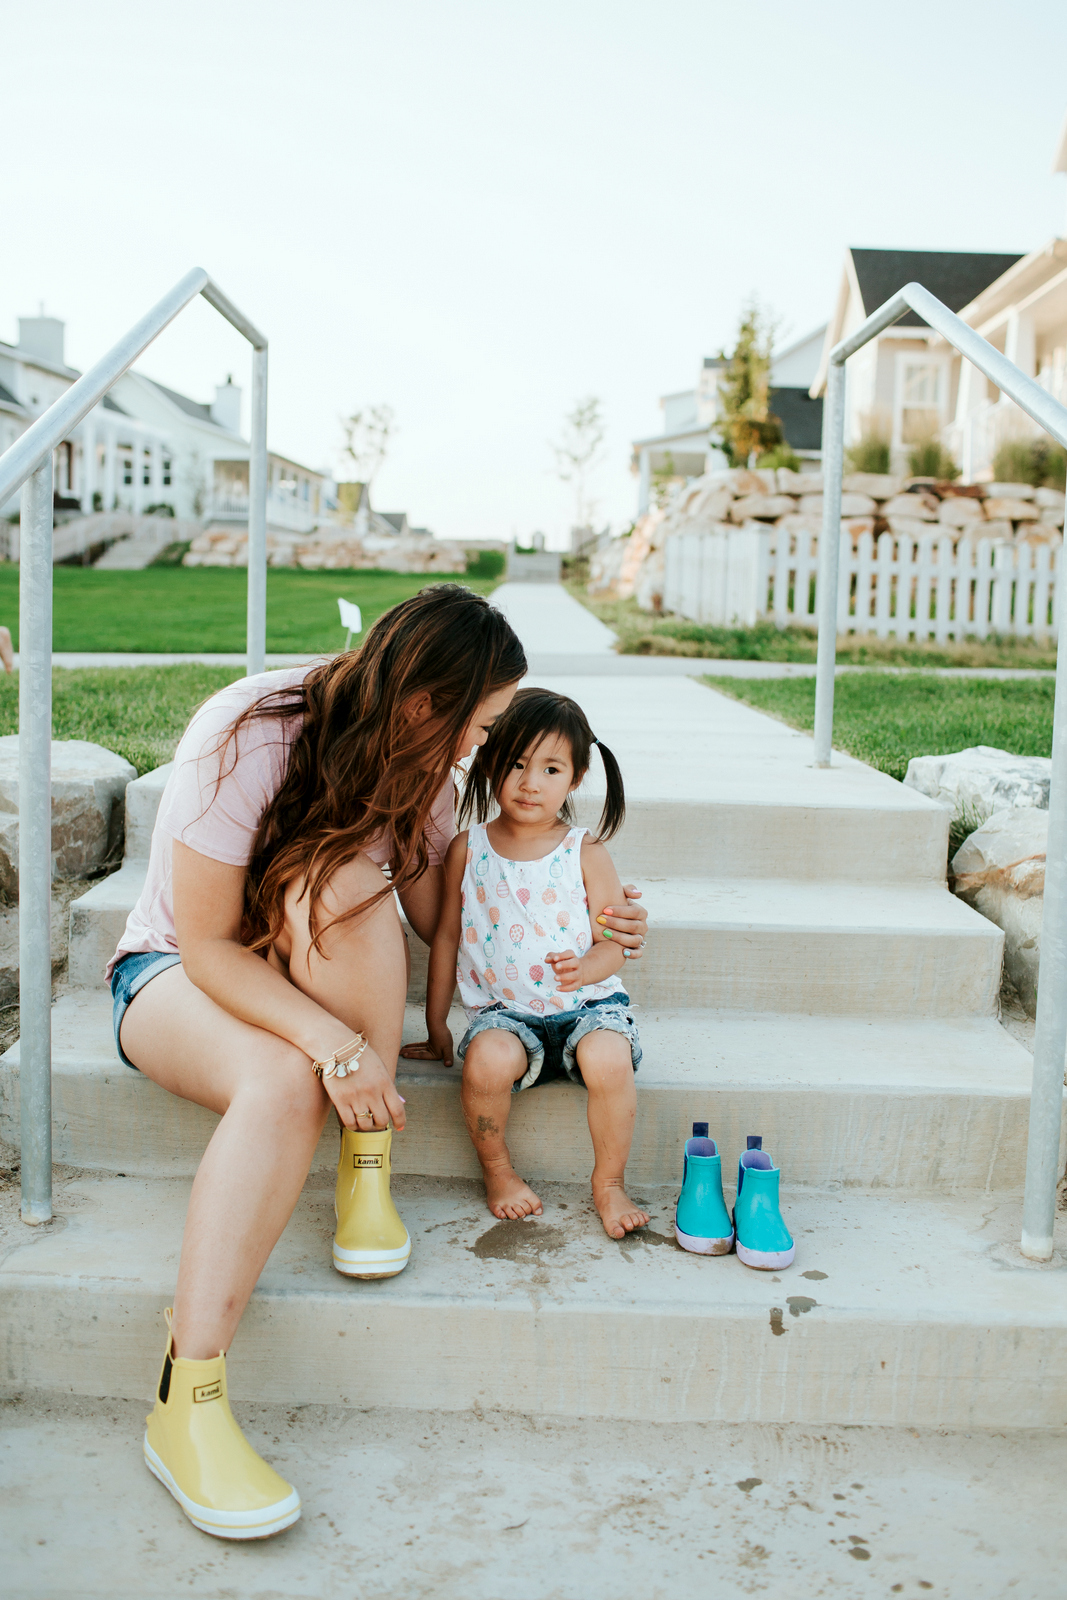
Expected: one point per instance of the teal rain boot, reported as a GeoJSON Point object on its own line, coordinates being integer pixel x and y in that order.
{"type": "Point", "coordinates": [702, 1222]}
{"type": "Point", "coordinates": [763, 1240]}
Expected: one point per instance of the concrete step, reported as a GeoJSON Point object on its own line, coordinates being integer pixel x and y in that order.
{"type": "Point", "coordinates": [760, 944]}
{"type": "Point", "coordinates": [897, 1312]}
{"type": "Point", "coordinates": [935, 1106]}
{"type": "Point", "coordinates": [738, 797]}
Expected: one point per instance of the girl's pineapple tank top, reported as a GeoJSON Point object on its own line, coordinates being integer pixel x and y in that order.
{"type": "Point", "coordinates": [514, 913]}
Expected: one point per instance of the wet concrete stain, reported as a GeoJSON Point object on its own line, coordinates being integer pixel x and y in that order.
{"type": "Point", "coordinates": [746, 1485]}
{"type": "Point", "coordinates": [818, 1276]}
{"type": "Point", "coordinates": [799, 1304]}
{"type": "Point", "coordinates": [858, 1552]}
{"type": "Point", "coordinates": [776, 1322]}
{"type": "Point", "coordinates": [647, 1236]}
{"type": "Point", "coordinates": [518, 1241]}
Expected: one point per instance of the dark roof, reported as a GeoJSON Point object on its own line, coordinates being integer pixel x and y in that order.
{"type": "Point", "coordinates": [113, 405]}
{"type": "Point", "coordinates": [192, 408]}
{"type": "Point", "coordinates": [6, 395]}
{"type": "Point", "coordinates": [800, 416]}
{"type": "Point", "coordinates": [955, 276]}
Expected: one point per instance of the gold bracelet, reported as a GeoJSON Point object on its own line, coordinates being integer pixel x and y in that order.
{"type": "Point", "coordinates": [343, 1062]}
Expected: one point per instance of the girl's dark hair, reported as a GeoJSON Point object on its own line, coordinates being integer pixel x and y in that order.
{"type": "Point", "coordinates": [358, 767]}
{"type": "Point", "coordinates": [531, 715]}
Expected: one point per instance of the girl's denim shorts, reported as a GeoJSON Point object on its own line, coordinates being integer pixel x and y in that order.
{"type": "Point", "coordinates": [550, 1041]}
{"type": "Point", "coordinates": [128, 977]}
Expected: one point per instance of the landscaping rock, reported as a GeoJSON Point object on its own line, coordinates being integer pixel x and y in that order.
{"type": "Point", "coordinates": [142, 802]}
{"type": "Point", "coordinates": [1052, 516]}
{"type": "Point", "coordinates": [980, 781]}
{"type": "Point", "coordinates": [88, 790]}
{"type": "Point", "coordinates": [852, 505]}
{"type": "Point", "coordinates": [995, 529]}
{"type": "Point", "coordinates": [957, 510]}
{"type": "Point", "coordinates": [921, 506]}
{"type": "Point", "coordinates": [790, 482]}
{"type": "Point", "coordinates": [879, 485]}
{"type": "Point", "coordinates": [1011, 491]}
{"type": "Point", "coordinates": [915, 527]}
{"type": "Point", "coordinates": [761, 506]}
{"type": "Point", "coordinates": [1016, 510]}
{"type": "Point", "coordinates": [1050, 498]}
{"type": "Point", "coordinates": [797, 522]}
{"type": "Point", "coordinates": [1000, 870]}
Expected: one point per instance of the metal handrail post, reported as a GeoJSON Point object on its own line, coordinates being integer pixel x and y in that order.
{"type": "Point", "coordinates": [833, 461]}
{"type": "Point", "coordinates": [257, 518]}
{"type": "Point", "coordinates": [35, 844]}
{"type": "Point", "coordinates": [1050, 1033]}
{"type": "Point", "coordinates": [1050, 1039]}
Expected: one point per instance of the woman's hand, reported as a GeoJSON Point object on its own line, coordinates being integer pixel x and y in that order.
{"type": "Point", "coordinates": [629, 926]}
{"type": "Point", "coordinates": [436, 1047]}
{"type": "Point", "coordinates": [367, 1099]}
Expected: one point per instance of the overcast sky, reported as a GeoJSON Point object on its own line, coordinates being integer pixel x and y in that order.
{"type": "Point", "coordinates": [480, 211]}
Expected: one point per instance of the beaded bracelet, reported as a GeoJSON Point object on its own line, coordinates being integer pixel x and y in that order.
{"type": "Point", "coordinates": [343, 1062]}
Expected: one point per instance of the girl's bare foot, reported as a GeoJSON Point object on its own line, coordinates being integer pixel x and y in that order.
{"type": "Point", "coordinates": [508, 1197]}
{"type": "Point", "coordinates": [617, 1211]}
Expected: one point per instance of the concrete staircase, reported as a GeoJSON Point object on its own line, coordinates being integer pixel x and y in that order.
{"type": "Point", "coordinates": [808, 978]}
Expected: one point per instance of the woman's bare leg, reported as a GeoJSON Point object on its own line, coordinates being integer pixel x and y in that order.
{"type": "Point", "coordinates": [493, 1061]}
{"type": "Point", "coordinates": [273, 1108]}
{"type": "Point", "coordinates": [607, 1072]}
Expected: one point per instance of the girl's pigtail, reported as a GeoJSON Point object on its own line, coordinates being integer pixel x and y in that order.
{"type": "Point", "coordinates": [614, 812]}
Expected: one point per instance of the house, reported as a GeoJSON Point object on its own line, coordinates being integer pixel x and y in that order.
{"type": "Point", "coordinates": [146, 445]}
{"type": "Point", "coordinates": [110, 458]}
{"type": "Point", "coordinates": [903, 386]}
{"type": "Point", "coordinates": [682, 450]}
{"type": "Point", "coordinates": [909, 384]}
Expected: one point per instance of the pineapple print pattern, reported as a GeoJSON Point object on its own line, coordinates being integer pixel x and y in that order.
{"type": "Point", "coordinates": [502, 957]}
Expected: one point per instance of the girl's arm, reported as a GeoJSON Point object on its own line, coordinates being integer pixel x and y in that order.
{"type": "Point", "coordinates": [602, 888]}
{"type": "Point", "coordinates": [208, 907]}
{"type": "Point", "coordinates": [441, 982]}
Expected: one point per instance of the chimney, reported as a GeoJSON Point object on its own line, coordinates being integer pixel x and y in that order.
{"type": "Point", "coordinates": [226, 406]}
{"type": "Point", "coordinates": [42, 337]}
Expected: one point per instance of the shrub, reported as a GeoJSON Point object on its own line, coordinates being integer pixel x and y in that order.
{"type": "Point", "coordinates": [869, 454]}
{"type": "Point", "coordinates": [929, 459]}
{"type": "Point", "coordinates": [1016, 462]}
{"type": "Point", "coordinates": [1038, 461]}
{"type": "Point", "coordinates": [783, 455]}
{"type": "Point", "coordinates": [485, 563]}
{"type": "Point", "coordinates": [162, 508]}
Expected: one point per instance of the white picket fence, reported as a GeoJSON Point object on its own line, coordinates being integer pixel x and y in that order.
{"type": "Point", "coordinates": [935, 586]}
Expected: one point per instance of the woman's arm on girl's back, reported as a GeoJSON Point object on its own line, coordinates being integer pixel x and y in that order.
{"type": "Point", "coordinates": [441, 982]}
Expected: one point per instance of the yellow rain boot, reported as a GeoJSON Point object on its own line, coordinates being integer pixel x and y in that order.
{"type": "Point", "coordinates": [194, 1447]}
{"type": "Point", "coordinates": [371, 1241]}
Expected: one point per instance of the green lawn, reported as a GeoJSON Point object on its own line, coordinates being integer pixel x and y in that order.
{"type": "Point", "coordinates": [139, 712]}
{"type": "Point", "coordinates": [203, 608]}
{"type": "Point", "coordinates": [886, 718]}
{"type": "Point", "coordinates": [641, 634]}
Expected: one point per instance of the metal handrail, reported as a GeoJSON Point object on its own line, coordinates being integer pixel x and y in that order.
{"type": "Point", "coordinates": [1050, 1039]}
{"type": "Point", "coordinates": [28, 465]}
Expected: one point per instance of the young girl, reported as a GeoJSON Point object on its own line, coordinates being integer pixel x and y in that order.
{"type": "Point", "coordinates": [538, 979]}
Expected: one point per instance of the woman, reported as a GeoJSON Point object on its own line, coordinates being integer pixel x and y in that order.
{"type": "Point", "coordinates": [263, 974]}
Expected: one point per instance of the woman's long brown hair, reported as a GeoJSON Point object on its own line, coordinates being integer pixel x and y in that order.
{"type": "Point", "coordinates": [358, 767]}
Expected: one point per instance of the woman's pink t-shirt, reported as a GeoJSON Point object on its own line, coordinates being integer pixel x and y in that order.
{"type": "Point", "coordinates": [219, 815]}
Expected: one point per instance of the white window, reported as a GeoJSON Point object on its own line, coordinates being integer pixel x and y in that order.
{"type": "Point", "coordinates": [922, 398]}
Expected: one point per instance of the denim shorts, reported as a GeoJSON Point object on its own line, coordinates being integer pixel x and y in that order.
{"type": "Point", "coordinates": [128, 977]}
{"type": "Point", "coordinates": [550, 1041]}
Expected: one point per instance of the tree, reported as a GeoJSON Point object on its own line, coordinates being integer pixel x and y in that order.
{"type": "Point", "coordinates": [746, 424]}
{"type": "Point", "coordinates": [577, 454]}
{"type": "Point", "coordinates": [367, 435]}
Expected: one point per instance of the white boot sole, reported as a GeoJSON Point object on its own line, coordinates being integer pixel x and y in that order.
{"type": "Point", "coordinates": [260, 1524]}
{"type": "Point", "coordinates": [371, 1263]}
{"type": "Point", "coordinates": [704, 1247]}
{"type": "Point", "coordinates": [766, 1260]}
